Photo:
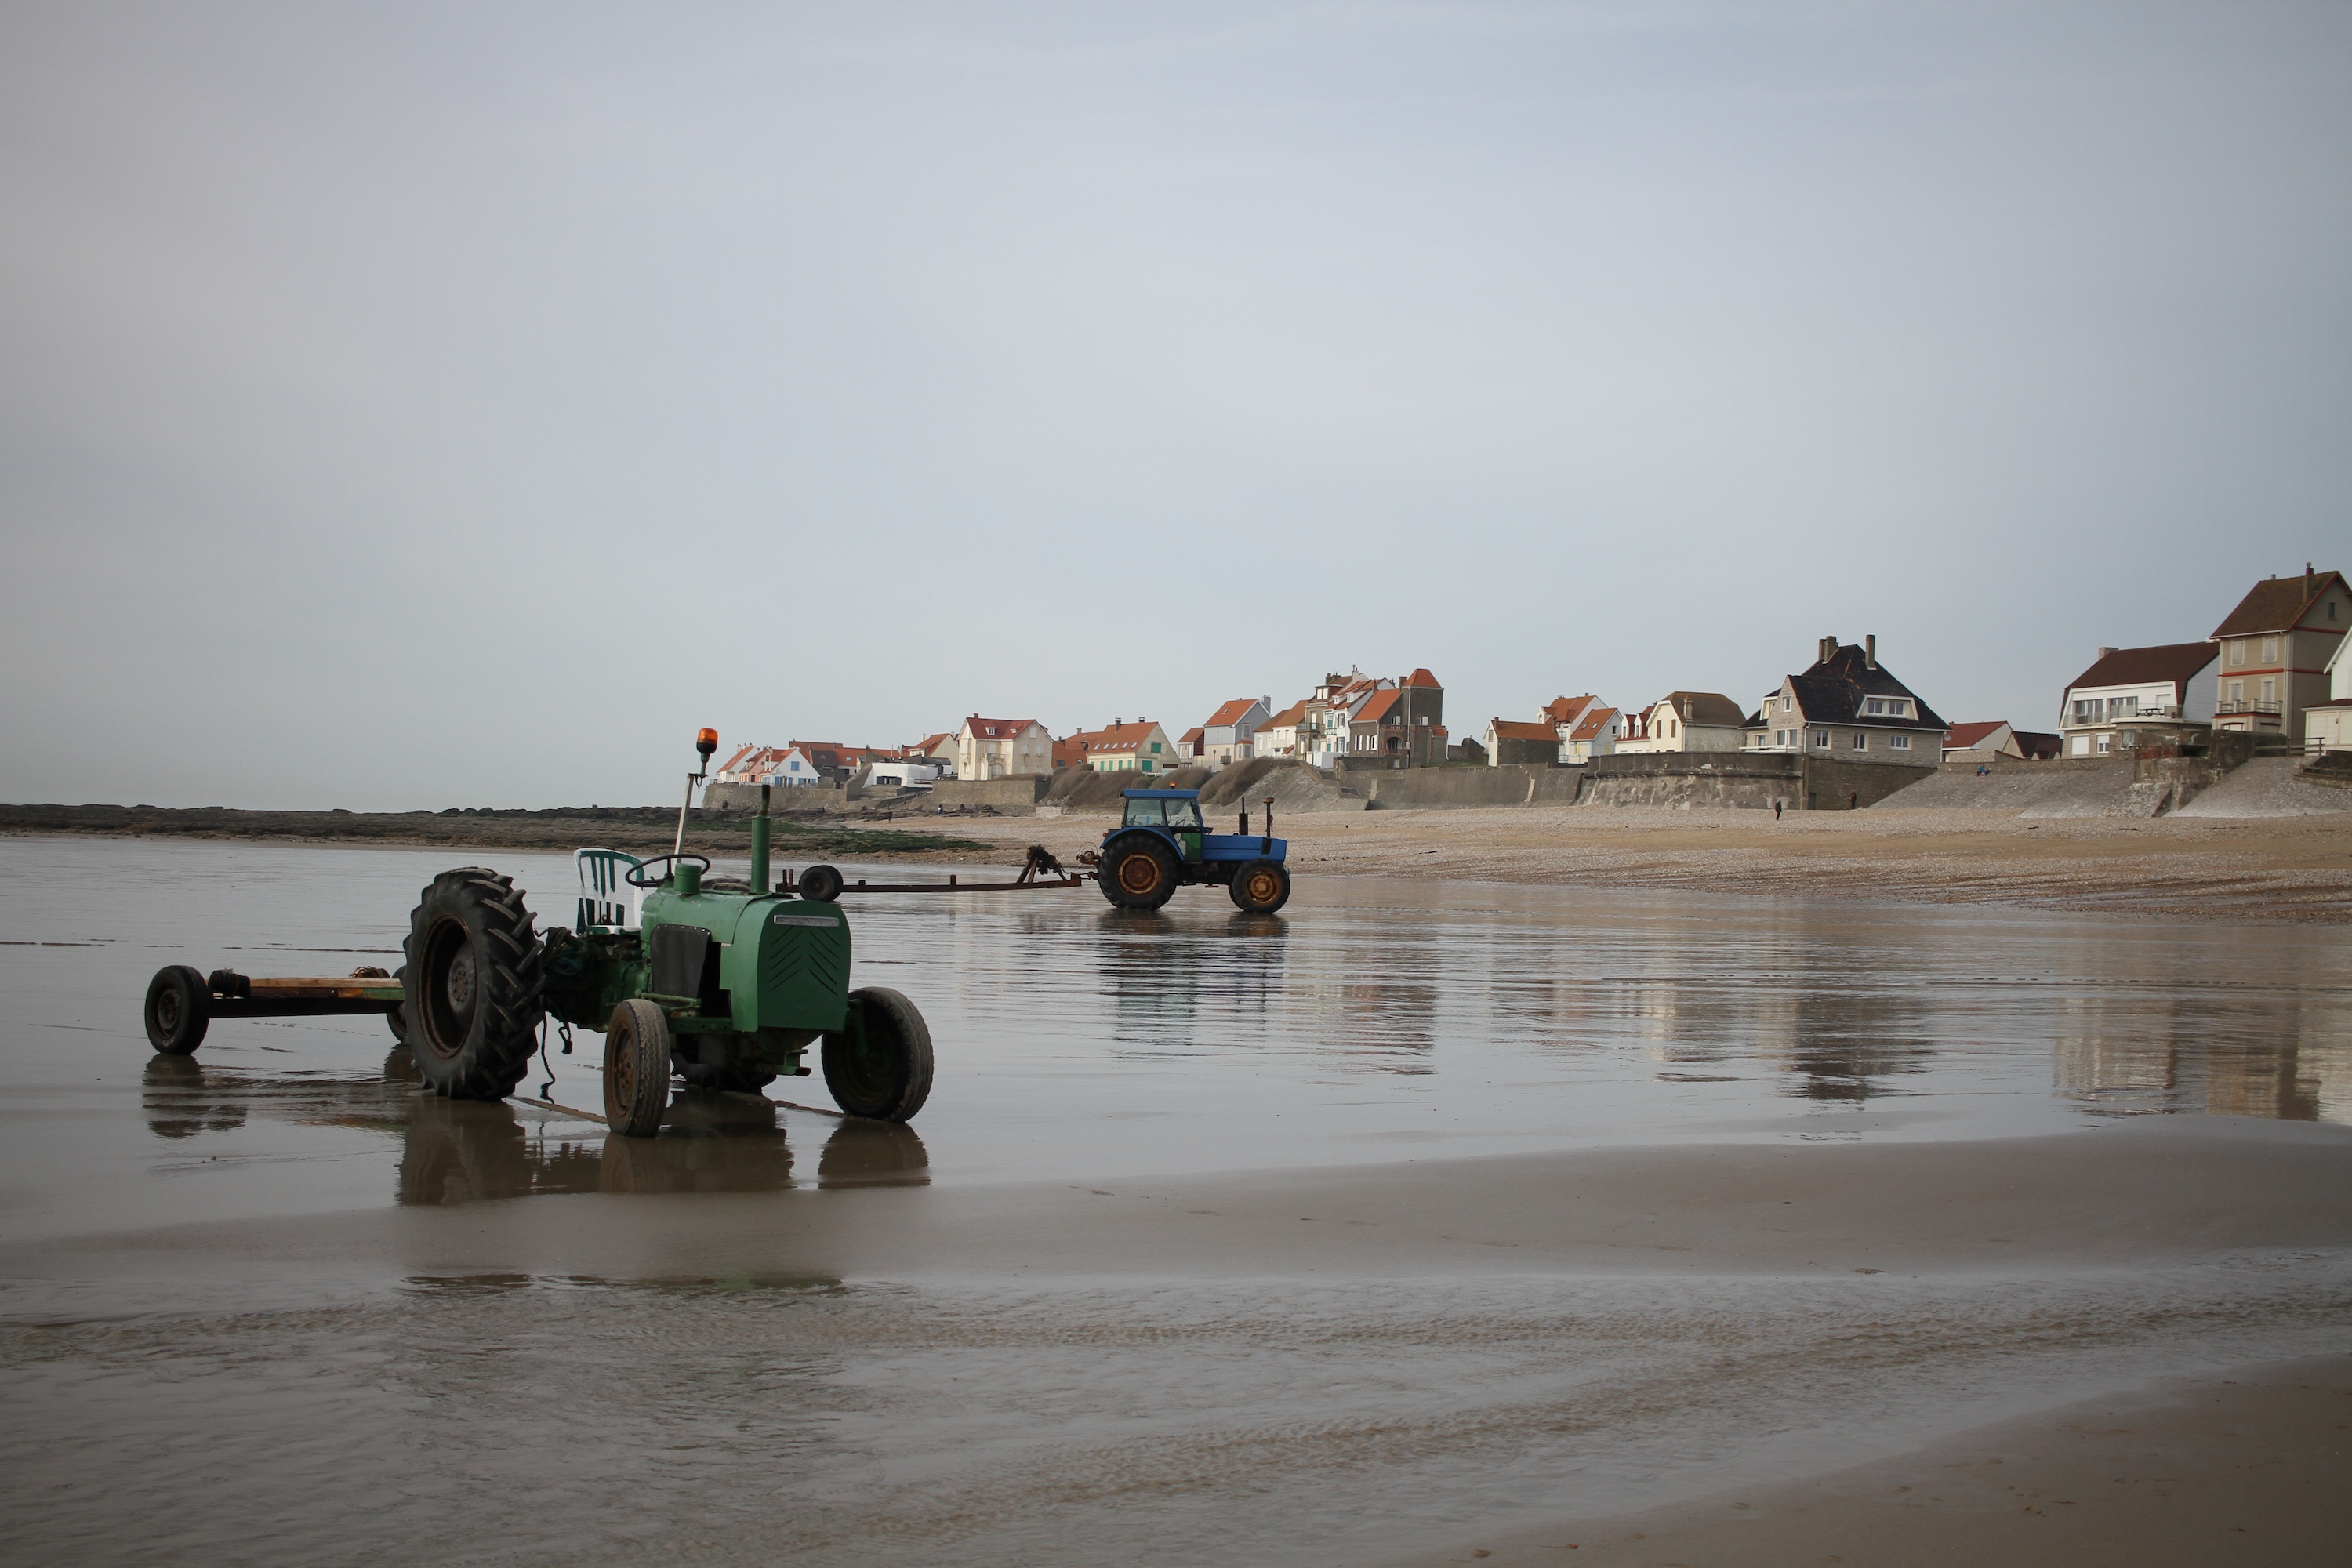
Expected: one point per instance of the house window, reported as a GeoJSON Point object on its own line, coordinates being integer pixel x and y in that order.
{"type": "Point", "coordinates": [2106, 744]}
{"type": "Point", "coordinates": [2237, 691]}
{"type": "Point", "coordinates": [1885, 707]}
{"type": "Point", "coordinates": [1822, 738]}
{"type": "Point", "coordinates": [2270, 689]}
{"type": "Point", "coordinates": [2269, 650]}
{"type": "Point", "coordinates": [1899, 743]}
{"type": "Point", "coordinates": [1155, 748]}
{"type": "Point", "coordinates": [1861, 742]}
{"type": "Point", "coordinates": [2237, 655]}
{"type": "Point", "coordinates": [1786, 703]}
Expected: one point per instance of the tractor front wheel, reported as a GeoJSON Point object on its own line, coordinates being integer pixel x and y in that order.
{"type": "Point", "coordinates": [1139, 872]}
{"type": "Point", "coordinates": [1260, 888]}
{"type": "Point", "coordinates": [179, 1009]}
{"type": "Point", "coordinates": [470, 988]}
{"type": "Point", "coordinates": [879, 1065]}
{"type": "Point", "coordinates": [636, 1069]}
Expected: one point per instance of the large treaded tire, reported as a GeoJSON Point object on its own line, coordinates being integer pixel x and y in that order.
{"type": "Point", "coordinates": [1260, 887]}
{"type": "Point", "coordinates": [471, 984]}
{"type": "Point", "coordinates": [179, 1010]}
{"type": "Point", "coordinates": [1139, 871]}
{"type": "Point", "coordinates": [636, 1069]}
{"type": "Point", "coordinates": [889, 1077]}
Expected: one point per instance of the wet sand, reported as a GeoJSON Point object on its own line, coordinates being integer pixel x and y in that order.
{"type": "Point", "coordinates": [1403, 1227]}
{"type": "Point", "coordinates": [2291, 870]}
{"type": "Point", "coordinates": [2251, 1468]}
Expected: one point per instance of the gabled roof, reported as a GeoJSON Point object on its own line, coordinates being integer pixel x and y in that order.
{"type": "Point", "coordinates": [1115, 737]}
{"type": "Point", "coordinates": [1562, 709]}
{"type": "Point", "coordinates": [1376, 707]}
{"type": "Point", "coordinates": [2177, 662]}
{"type": "Point", "coordinates": [1232, 712]}
{"type": "Point", "coordinates": [1589, 727]}
{"type": "Point", "coordinates": [2277, 604]}
{"type": "Point", "coordinates": [1289, 719]}
{"type": "Point", "coordinates": [1422, 678]}
{"type": "Point", "coordinates": [1515, 730]}
{"type": "Point", "coordinates": [2036, 743]}
{"type": "Point", "coordinates": [1831, 692]}
{"type": "Point", "coordinates": [998, 728]}
{"type": "Point", "coordinates": [1703, 708]}
{"type": "Point", "coordinates": [1195, 735]}
{"type": "Point", "coordinates": [1963, 736]}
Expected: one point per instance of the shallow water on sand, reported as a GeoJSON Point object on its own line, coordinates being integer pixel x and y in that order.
{"type": "Point", "coordinates": [1374, 1020]}
{"type": "Point", "coordinates": [534, 1414]}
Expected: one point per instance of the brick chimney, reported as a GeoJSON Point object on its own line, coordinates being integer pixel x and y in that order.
{"type": "Point", "coordinates": [1827, 646]}
{"type": "Point", "coordinates": [1870, 651]}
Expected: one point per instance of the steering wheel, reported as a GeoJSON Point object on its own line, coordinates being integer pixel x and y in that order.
{"type": "Point", "coordinates": [635, 876]}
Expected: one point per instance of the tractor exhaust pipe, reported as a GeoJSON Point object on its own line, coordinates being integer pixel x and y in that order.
{"type": "Point", "coordinates": [760, 843]}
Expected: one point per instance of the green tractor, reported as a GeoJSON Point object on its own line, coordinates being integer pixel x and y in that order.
{"type": "Point", "coordinates": [726, 987]}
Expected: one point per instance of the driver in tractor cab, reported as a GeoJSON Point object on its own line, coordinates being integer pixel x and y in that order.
{"type": "Point", "coordinates": [1181, 817]}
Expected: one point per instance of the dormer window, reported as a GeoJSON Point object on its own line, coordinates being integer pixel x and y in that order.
{"type": "Point", "coordinates": [1886, 708]}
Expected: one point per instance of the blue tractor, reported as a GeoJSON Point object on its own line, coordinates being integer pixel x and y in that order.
{"type": "Point", "coordinates": [1161, 844]}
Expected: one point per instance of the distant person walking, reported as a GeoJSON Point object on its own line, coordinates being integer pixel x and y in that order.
{"type": "Point", "coordinates": [1776, 810]}
{"type": "Point", "coordinates": [1853, 800]}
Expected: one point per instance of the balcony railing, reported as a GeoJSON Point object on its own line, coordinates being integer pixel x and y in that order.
{"type": "Point", "coordinates": [2247, 705]}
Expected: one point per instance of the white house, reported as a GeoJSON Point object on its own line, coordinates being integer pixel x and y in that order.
{"type": "Point", "coordinates": [1002, 748]}
{"type": "Point", "coordinates": [905, 775]}
{"type": "Point", "coordinates": [1228, 735]}
{"type": "Point", "coordinates": [2176, 683]}
{"type": "Point", "coordinates": [2327, 726]}
{"type": "Point", "coordinates": [1686, 721]}
{"type": "Point", "coordinates": [1278, 736]}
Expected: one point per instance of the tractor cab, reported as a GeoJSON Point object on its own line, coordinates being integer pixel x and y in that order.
{"type": "Point", "coordinates": [1178, 810]}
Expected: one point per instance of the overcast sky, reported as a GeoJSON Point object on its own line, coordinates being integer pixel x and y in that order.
{"type": "Point", "coordinates": [406, 406]}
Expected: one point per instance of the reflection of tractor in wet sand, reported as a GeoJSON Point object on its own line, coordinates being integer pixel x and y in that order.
{"type": "Point", "coordinates": [1161, 844]}
{"type": "Point", "coordinates": [726, 987]}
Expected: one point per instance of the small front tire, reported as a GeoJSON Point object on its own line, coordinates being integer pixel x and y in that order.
{"type": "Point", "coordinates": [879, 1065]}
{"type": "Point", "coordinates": [636, 1069]}
{"type": "Point", "coordinates": [820, 884]}
{"type": "Point", "coordinates": [179, 1010]}
{"type": "Point", "coordinates": [1260, 888]}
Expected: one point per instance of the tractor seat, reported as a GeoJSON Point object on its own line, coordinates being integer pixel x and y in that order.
{"type": "Point", "coordinates": [606, 899]}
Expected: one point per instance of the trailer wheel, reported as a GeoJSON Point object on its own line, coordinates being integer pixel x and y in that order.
{"type": "Point", "coordinates": [1260, 888]}
{"type": "Point", "coordinates": [725, 1080]}
{"type": "Point", "coordinates": [1138, 872]}
{"type": "Point", "coordinates": [879, 1065]}
{"type": "Point", "coordinates": [471, 986]}
{"type": "Point", "coordinates": [179, 1009]}
{"type": "Point", "coordinates": [636, 1069]}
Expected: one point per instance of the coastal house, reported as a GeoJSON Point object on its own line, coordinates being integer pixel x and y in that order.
{"type": "Point", "coordinates": [1685, 721]}
{"type": "Point", "coordinates": [1405, 730]}
{"type": "Point", "coordinates": [1069, 753]}
{"type": "Point", "coordinates": [1516, 740]}
{"type": "Point", "coordinates": [902, 773]}
{"type": "Point", "coordinates": [1980, 740]}
{"type": "Point", "coordinates": [1002, 748]}
{"type": "Point", "coordinates": [940, 749]}
{"type": "Point", "coordinates": [2172, 685]}
{"type": "Point", "coordinates": [1190, 745]}
{"type": "Point", "coordinates": [1595, 735]}
{"type": "Point", "coordinates": [1229, 734]}
{"type": "Point", "coordinates": [2328, 724]}
{"type": "Point", "coordinates": [1848, 706]}
{"type": "Point", "coordinates": [1278, 736]}
{"type": "Point", "coordinates": [2275, 650]}
{"type": "Point", "coordinates": [1141, 746]}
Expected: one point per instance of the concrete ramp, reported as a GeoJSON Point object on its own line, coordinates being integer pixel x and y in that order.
{"type": "Point", "coordinates": [2267, 787]}
{"type": "Point", "coordinates": [1295, 786]}
{"type": "Point", "coordinates": [2036, 789]}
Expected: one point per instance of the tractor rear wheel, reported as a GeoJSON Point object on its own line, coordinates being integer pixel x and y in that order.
{"type": "Point", "coordinates": [1260, 888]}
{"type": "Point", "coordinates": [471, 986]}
{"type": "Point", "coordinates": [879, 1065]}
{"type": "Point", "coordinates": [636, 1069]}
{"type": "Point", "coordinates": [1139, 872]}
{"type": "Point", "coordinates": [179, 1009]}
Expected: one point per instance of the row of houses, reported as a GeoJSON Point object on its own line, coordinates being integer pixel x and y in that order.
{"type": "Point", "coordinates": [2275, 666]}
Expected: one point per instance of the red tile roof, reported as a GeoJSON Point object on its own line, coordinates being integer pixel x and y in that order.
{"type": "Point", "coordinates": [2275, 605]}
{"type": "Point", "coordinates": [1231, 713]}
{"type": "Point", "coordinates": [2175, 662]}
{"type": "Point", "coordinates": [1376, 707]}
{"type": "Point", "coordinates": [998, 728]}
{"type": "Point", "coordinates": [1560, 710]}
{"type": "Point", "coordinates": [1590, 727]}
{"type": "Point", "coordinates": [1422, 678]}
{"type": "Point", "coordinates": [1117, 737]}
{"type": "Point", "coordinates": [1963, 736]}
{"type": "Point", "coordinates": [1514, 730]}
{"type": "Point", "coordinates": [1288, 718]}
